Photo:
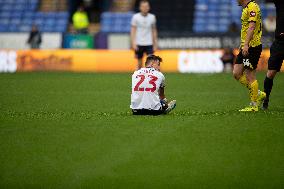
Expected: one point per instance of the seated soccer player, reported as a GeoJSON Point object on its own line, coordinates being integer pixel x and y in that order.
{"type": "Point", "coordinates": [148, 90]}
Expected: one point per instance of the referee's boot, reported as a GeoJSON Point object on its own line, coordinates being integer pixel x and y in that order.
{"type": "Point", "coordinates": [265, 104]}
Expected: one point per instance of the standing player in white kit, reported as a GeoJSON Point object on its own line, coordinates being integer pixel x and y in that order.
{"type": "Point", "coordinates": [148, 97]}
{"type": "Point", "coordinates": [144, 35]}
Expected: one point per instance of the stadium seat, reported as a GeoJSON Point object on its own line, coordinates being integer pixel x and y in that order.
{"type": "Point", "coordinates": [224, 12]}
{"type": "Point", "coordinates": [22, 14]}
{"type": "Point", "coordinates": [5, 14]}
{"type": "Point", "coordinates": [116, 22]}
{"type": "Point", "coordinates": [4, 21]}
{"type": "Point", "coordinates": [24, 28]}
{"type": "Point", "coordinates": [15, 21]}
{"type": "Point", "coordinates": [13, 28]}
{"type": "Point", "coordinates": [19, 15]}
{"type": "Point", "coordinates": [27, 21]}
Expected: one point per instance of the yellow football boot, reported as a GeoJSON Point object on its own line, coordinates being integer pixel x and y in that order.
{"type": "Point", "coordinates": [250, 109]}
{"type": "Point", "coordinates": [260, 98]}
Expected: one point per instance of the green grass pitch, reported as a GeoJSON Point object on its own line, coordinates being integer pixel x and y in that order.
{"type": "Point", "coordinates": [75, 130]}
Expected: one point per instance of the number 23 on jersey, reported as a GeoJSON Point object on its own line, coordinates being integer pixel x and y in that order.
{"type": "Point", "coordinates": [151, 83]}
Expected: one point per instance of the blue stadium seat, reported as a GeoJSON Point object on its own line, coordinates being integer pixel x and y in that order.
{"type": "Point", "coordinates": [211, 14]}
{"type": "Point", "coordinates": [5, 14]}
{"type": "Point", "coordinates": [224, 14]}
{"type": "Point", "coordinates": [13, 28]}
{"type": "Point", "coordinates": [201, 1]}
{"type": "Point", "coordinates": [48, 28]}
{"type": "Point", "coordinates": [21, 1]}
{"type": "Point", "coordinates": [224, 21]}
{"type": "Point", "coordinates": [200, 20]}
{"type": "Point", "coordinates": [225, 7]}
{"type": "Point", "coordinates": [4, 27]}
{"type": "Point", "coordinates": [53, 15]}
{"type": "Point", "coordinates": [50, 21]}
{"type": "Point", "coordinates": [199, 28]}
{"type": "Point", "coordinates": [116, 22]}
{"type": "Point", "coordinates": [17, 14]}
{"type": "Point", "coordinates": [62, 15]}
{"type": "Point", "coordinates": [60, 28]}
{"type": "Point", "coordinates": [39, 21]}
{"type": "Point", "coordinates": [201, 7]}
{"type": "Point", "coordinates": [7, 7]}
{"type": "Point", "coordinates": [19, 7]}
{"type": "Point", "coordinates": [24, 28]}
{"type": "Point", "coordinates": [20, 15]}
{"type": "Point", "coordinates": [27, 21]}
{"type": "Point", "coordinates": [4, 21]}
{"type": "Point", "coordinates": [199, 14]}
{"type": "Point", "coordinates": [15, 21]}
{"type": "Point", "coordinates": [212, 28]}
{"type": "Point", "coordinates": [223, 28]}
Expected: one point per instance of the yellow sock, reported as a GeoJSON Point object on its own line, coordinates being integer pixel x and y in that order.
{"type": "Point", "coordinates": [243, 81]}
{"type": "Point", "coordinates": [253, 91]}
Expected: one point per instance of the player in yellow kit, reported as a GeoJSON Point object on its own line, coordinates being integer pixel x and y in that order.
{"type": "Point", "coordinates": [250, 51]}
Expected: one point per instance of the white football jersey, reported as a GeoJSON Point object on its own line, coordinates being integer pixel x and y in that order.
{"type": "Point", "coordinates": [144, 25]}
{"type": "Point", "coordinates": [146, 83]}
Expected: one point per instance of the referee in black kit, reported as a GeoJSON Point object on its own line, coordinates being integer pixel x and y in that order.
{"type": "Point", "coordinates": [276, 51]}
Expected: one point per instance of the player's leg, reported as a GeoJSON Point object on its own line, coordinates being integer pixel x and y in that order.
{"type": "Point", "coordinates": [268, 84]}
{"type": "Point", "coordinates": [147, 112]}
{"type": "Point", "coordinates": [139, 55]}
{"type": "Point", "coordinates": [274, 65]}
{"type": "Point", "coordinates": [250, 65]}
{"type": "Point", "coordinates": [256, 96]}
{"type": "Point", "coordinates": [238, 70]}
{"type": "Point", "coordinates": [149, 49]}
{"type": "Point", "coordinates": [253, 86]}
{"type": "Point", "coordinates": [139, 63]}
{"type": "Point", "coordinates": [253, 90]}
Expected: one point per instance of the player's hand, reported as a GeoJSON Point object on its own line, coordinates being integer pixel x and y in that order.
{"type": "Point", "coordinates": [134, 47]}
{"type": "Point", "coordinates": [155, 47]}
{"type": "Point", "coordinates": [245, 50]}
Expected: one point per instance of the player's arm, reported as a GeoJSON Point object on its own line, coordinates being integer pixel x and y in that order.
{"type": "Point", "coordinates": [155, 37]}
{"type": "Point", "coordinates": [133, 37]}
{"type": "Point", "coordinates": [133, 33]}
{"type": "Point", "coordinates": [252, 13]}
{"type": "Point", "coordinates": [249, 37]}
{"type": "Point", "coordinates": [162, 89]}
{"type": "Point", "coordinates": [162, 93]}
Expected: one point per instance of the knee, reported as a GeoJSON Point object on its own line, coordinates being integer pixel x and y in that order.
{"type": "Point", "coordinates": [237, 75]}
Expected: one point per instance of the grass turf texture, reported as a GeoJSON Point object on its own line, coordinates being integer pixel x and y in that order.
{"type": "Point", "coordinates": [68, 130]}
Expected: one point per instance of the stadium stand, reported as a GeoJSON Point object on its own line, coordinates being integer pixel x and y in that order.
{"type": "Point", "coordinates": [118, 19]}
{"type": "Point", "coordinates": [20, 15]}
{"type": "Point", "coordinates": [183, 16]}
{"type": "Point", "coordinates": [173, 17]}
{"type": "Point", "coordinates": [216, 15]}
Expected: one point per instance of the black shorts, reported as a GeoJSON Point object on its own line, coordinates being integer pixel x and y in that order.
{"type": "Point", "coordinates": [148, 112]}
{"type": "Point", "coordinates": [251, 61]}
{"type": "Point", "coordinates": [276, 55]}
{"type": "Point", "coordinates": [142, 50]}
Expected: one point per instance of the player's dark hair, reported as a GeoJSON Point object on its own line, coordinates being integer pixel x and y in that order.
{"type": "Point", "coordinates": [153, 57]}
{"type": "Point", "coordinates": [144, 1]}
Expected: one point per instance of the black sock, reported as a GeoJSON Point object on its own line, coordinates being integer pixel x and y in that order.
{"type": "Point", "coordinates": [268, 84]}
